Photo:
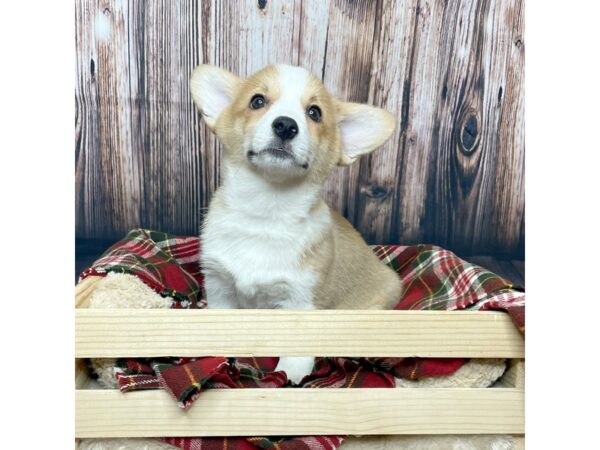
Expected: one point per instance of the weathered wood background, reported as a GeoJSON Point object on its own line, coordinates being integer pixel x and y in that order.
{"type": "Point", "coordinates": [451, 71]}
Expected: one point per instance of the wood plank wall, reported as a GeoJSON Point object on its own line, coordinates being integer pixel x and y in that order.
{"type": "Point", "coordinates": [451, 71]}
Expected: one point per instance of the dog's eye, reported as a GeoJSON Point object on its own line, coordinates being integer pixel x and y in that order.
{"type": "Point", "coordinates": [258, 101]}
{"type": "Point", "coordinates": [314, 112]}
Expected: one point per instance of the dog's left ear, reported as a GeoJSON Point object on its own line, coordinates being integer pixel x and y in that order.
{"type": "Point", "coordinates": [213, 90]}
{"type": "Point", "coordinates": [363, 128]}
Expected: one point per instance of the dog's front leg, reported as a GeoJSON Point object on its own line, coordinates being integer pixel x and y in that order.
{"type": "Point", "coordinates": [220, 290]}
{"type": "Point", "coordinates": [296, 367]}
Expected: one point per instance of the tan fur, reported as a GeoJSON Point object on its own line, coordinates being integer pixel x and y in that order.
{"type": "Point", "coordinates": [238, 120]}
{"type": "Point", "coordinates": [350, 275]}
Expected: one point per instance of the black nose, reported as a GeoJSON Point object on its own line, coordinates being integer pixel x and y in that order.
{"type": "Point", "coordinates": [285, 127]}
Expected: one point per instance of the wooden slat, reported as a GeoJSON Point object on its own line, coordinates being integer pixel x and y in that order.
{"type": "Point", "coordinates": [515, 375]}
{"type": "Point", "coordinates": [82, 377]}
{"type": "Point", "coordinates": [519, 442]}
{"type": "Point", "coordinates": [135, 333]}
{"type": "Point", "coordinates": [84, 289]}
{"type": "Point", "coordinates": [252, 412]}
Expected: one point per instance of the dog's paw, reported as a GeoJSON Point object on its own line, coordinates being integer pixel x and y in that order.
{"type": "Point", "coordinates": [296, 367]}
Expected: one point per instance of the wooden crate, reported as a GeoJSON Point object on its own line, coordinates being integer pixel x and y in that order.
{"type": "Point", "coordinates": [146, 333]}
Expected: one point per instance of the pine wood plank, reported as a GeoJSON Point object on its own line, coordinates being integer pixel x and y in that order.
{"type": "Point", "coordinates": [84, 289]}
{"type": "Point", "coordinates": [82, 377]}
{"type": "Point", "coordinates": [519, 442]}
{"type": "Point", "coordinates": [515, 375]}
{"type": "Point", "coordinates": [255, 412]}
{"type": "Point", "coordinates": [128, 333]}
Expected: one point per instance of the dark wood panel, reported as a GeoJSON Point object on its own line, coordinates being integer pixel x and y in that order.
{"type": "Point", "coordinates": [452, 72]}
{"type": "Point", "coordinates": [511, 270]}
{"type": "Point", "coordinates": [346, 72]}
{"type": "Point", "coordinates": [138, 151]}
{"type": "Point", "coordinates": [389, 87]}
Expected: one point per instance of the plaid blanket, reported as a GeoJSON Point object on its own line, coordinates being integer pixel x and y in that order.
{"type": "Point", "coordinates": [434, 279]}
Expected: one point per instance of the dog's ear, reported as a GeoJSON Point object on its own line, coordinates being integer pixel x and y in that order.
{"type": "Point", "coordinates": [363, 128]}
{"type": "Point", "coordinates": [213, 90]}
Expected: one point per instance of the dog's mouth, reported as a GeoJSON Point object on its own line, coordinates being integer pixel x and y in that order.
{"type": "Point", "coordinates": [279, 153]}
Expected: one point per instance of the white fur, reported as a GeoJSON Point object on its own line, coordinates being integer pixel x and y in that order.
{"type": "Point", "coordinates": [293, 81]}
{"type": "Point", "coordinates": [358, 131]}
{"type": "Point", "coordinates": [296, 367]}
{"type": "Point", "coordinates": [216, 86]}
{"type": "Point", "coordinates": [253, 242]}
{"type": "Point", "coordinates": [256, 235]}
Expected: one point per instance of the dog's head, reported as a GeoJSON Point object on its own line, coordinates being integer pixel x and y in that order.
{"type": "Point", "coordinates": [282, 122]}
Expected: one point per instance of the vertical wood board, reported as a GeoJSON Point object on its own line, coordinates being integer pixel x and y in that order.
{"type": "Point", "coordinates": [452, 73]}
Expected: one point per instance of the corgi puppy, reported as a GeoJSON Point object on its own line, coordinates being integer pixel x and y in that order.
{"type": "Point", "coordinates": [269, 240]}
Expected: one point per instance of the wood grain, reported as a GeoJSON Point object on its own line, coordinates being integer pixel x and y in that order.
{"type": "Point", "coordinates": [513, 271]}
{"type": "Point", "coordinates": [82, 378]}
{"type": "Point", "coordinates": [284, 412]}
{"type": "Point", "coordinates": [144, 333]}
{"type": "Point", "coordinates": [84, 289]}
{"type": "Point", "coordinates": [452, 73]}
{"type": "Point", "coordinates": [514, 376]}
{"type": "Point", "coordinates": [346, 68]}
{"type": "Point", "coordinates": [519, 442]}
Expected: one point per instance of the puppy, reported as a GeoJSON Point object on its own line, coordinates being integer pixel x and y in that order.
{"type": "Point", "coordinates": [269, 240]}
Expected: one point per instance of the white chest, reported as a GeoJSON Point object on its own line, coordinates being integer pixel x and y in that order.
{"type": "Point", "coordinates": [256, 260]}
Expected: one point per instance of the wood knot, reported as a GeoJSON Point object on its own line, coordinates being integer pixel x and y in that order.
{"type": "Point", "coordinates": [262, 4]}
{"type": "Point", "coordinates": [106, 11]}
{"type": "Point", "coordinates": [376, 191]}
{"type": "Point", "coordinates": [469, 134]}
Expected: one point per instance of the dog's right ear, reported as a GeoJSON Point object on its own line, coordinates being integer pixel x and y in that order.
{"type": "Point", "coordinates": [213, 89]}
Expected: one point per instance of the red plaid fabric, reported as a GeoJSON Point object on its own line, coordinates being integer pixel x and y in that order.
{"type": "Point", "coordinates": [166, 263]}
{"type": "Point", "coordinates": [253, 443]}
{"type": "Point", "coordinates": [437, 279]}
{"type": "Point", "coordinates": [434, 279]}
